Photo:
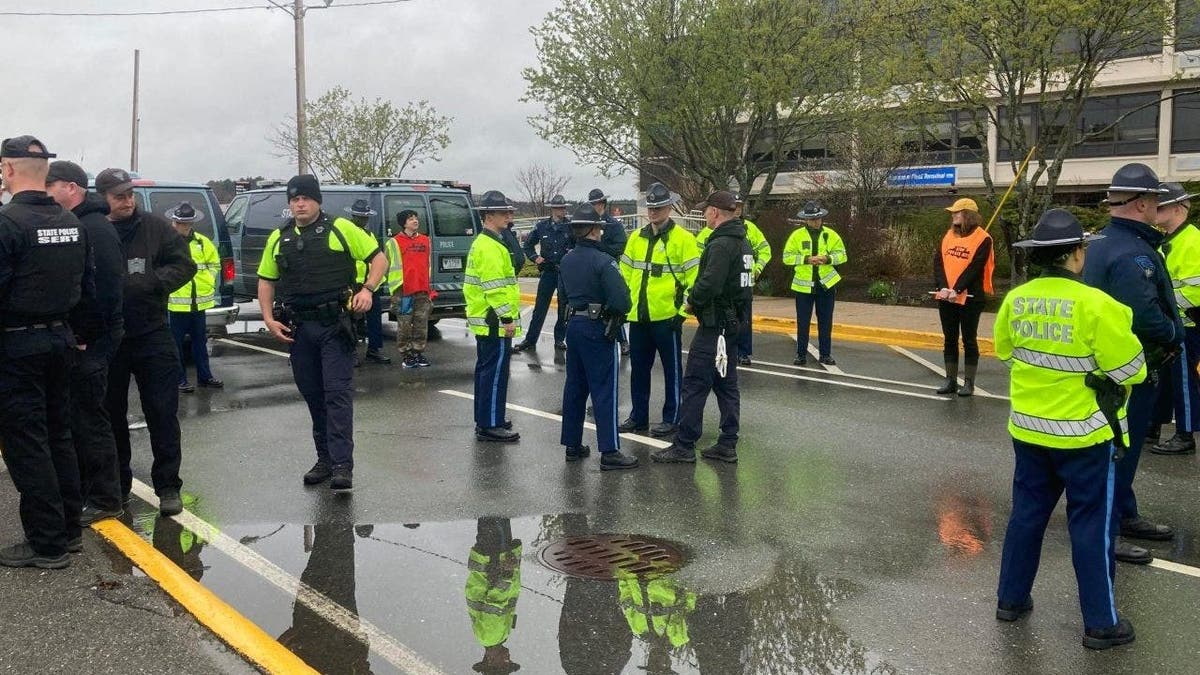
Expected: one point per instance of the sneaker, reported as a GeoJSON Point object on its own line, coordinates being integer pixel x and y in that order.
{"type": "Point", "coordinates": [375, 356]}
{"type": "Point", "coordinates": [186, 388]}
{"type": "Point", "coordinates": [721, 453]}
{"type": "Point", "coordinates": [800, 361]}
{"type": "Point", "coordinates": [1103, 638]}
{"type": "Point", "coordinates": [343, 479]}
{"type": "Point", "coordinates": [23, 555]}
{"type": "Point", "coordinates": [1007, 612]}
{"type": "Point", "coordinates": [409, 361]}
{"type": "Point", "coordinates": [422, 362]}
{"type": "Point", "coordinates": [675, 453]}
{"type": "Point", "coordinates": [213, 383]}
{"type": "Point", "coordinates": [744, 360]}
{"type": "Point", "coordinates": [578, 452]}
{"type": "Point", "coordinates": [91, 514]}
{"type": "Point", "coordinates": [629, 426]}
{"type": "Point", "coordinates": [319, 473]}
{"type": "Point", "coordinates": [617, 460]}
{"type": "Point", "coordinates": [169, 503]}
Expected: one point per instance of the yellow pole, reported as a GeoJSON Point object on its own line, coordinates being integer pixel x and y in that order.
{"type": "Point", "coordinates": [1013, 184]}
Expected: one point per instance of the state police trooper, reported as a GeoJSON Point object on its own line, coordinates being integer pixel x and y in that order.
{"type": "Point", "coordinates": [45, 282]}
{"type": "Point", "coordinates": [1126, 265]}
{"type": "Point", "coordinates": [1072, 356]}
{"type": "Point", "coordinates": [313, 259]}
{"type": "Point", "coordinates": [719, 300]}
{"type": "Point", "coordinates": [553, 238]}
{"type": "Point", "coordinates": [612, 240]}
{"type": "Point", "coordinates": [360, 214]}
{"type": "Point", "coordinates": [597, 301]}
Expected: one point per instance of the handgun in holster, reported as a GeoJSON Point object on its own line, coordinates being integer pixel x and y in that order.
{"type": "Point", "coordinates": [1110, 396]}
{"type": "Point", "coordinates": [284, 315]}
{"type": "Point", "coordinates": [1159, 356]}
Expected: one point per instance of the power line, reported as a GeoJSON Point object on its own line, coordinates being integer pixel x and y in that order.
{"type": "Point", "coordinates": [201, 10]}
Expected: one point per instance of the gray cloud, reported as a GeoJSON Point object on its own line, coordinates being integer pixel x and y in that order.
{"type": "Point", "coordinates": [214, 86]}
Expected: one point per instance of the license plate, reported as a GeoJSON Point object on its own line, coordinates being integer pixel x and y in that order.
{"type": "Point", "coordinates": [455, 263]}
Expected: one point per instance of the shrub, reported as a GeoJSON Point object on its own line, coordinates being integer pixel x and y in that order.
{"type": "Point", "coordinates": [883, 291]}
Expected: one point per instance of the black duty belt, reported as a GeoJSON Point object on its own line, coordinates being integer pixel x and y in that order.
{"type": "Point", "coordinates": [35, 326]}
{"type": "Point", "coordinates": [593, 311]}
{"type": "Point", "coordinates": [323, 312]}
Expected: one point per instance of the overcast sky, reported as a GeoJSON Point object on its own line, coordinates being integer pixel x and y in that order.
{"type": "Point", "coordinates": [213, 86]}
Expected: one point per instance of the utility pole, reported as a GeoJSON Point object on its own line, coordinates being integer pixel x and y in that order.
{"type": "Point", "coordinates": [301, 133]}
{"type": "Point", "coordinates": [133, 146]}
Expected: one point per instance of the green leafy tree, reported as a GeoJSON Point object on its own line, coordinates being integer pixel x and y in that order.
{"type": "Point", "coordinates": [349, 140]}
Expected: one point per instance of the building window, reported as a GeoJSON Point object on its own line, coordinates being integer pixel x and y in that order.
{"type": "Point", "coordinates": [949, 138]}
{"type": "Point", "coordinates": [1185, 130]}
{"type": "Point", "coordinates": [1109, 126]}
{"type": "Point", "coordinates": [1187, 25]}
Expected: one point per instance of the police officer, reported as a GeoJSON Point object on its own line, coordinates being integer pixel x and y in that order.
{"type": "Point", "coordinates": [493, 315]}
{"type": "Point", "coordinates": [360, 214]}
{"type": "Point", "coordinates": [45, 277]}
{"type": "Point", "coordinates": [597, 300]}
{"type": "Point", "coordinates": [815, 251]}
{"type": "Point", "coordinates": [612, 241]}
{"type": "Point", "coordinates": [156, 261]}
{"type": "Point", "coordinates": [99, 473]}
{"type": "Point", "coordinates": [1182, 249]}
{"type": "Point", "coordinates": [312, 259]}
{"type": "Point", "coordinates": [187, 304]}
{"type": "Point", "coordinates": [719, 300]}
{"type": "Point", "coordinates": [1126, 265]}
{"type": "Point", "coordinates": [553, 238]}
{"type": "Point", "coordinates": [1061, 338]}
{"type": "Point", "coordinates": [659, 265]}
{"type": "Point", "coordinates": [762, 256]}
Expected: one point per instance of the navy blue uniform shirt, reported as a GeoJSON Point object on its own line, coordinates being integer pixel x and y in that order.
{"type": "Point", "coordinates": [555, 237]}
{"type": "Point", "coordinates": [589, 275]}
{"type": "Point", "coordinates": [613, 239]}
{"type": "Point", "coordinates": [1127, 266]}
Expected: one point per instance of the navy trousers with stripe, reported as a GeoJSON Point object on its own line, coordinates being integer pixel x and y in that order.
{"type": "Point", "coordinates": [491, 380]}
{"type": "Point", "coordinates": [1140, 415]}
{"type": "Point", "coordinates": [1187, 389]}
{"type": "Point", "coordinates": [646, 340]}
{"type": "Point", "coordinates": [1039, 479]}
{"type": "Point", "coordinates": [592, 364]}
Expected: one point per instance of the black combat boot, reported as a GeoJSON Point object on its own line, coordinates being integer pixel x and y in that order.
{"type": "Point", "coordinates": [968, 388]}
{"type": "Point", "coordinates": [951, 385]}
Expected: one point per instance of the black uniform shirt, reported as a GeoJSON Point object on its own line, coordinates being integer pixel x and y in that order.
{"type": "Point", "coordinates": [590, 276]}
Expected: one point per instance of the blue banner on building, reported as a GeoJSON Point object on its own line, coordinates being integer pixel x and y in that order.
{"type": "Point", "coordinates": [925, 176]}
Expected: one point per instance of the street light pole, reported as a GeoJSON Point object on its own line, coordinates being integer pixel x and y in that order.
{"type": "Point", "coordinates": [133, 145]}
{"type": "Point", "coordinates": [301, 132]}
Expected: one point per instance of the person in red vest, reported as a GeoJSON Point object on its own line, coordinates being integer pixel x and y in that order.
{"type": "Point", "coordinates": [962, 272]}
{"type": "Point", "coordinates": [414, 300]}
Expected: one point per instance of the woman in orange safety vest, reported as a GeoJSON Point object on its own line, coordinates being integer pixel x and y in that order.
{"type": "Point", "coordinates": [962, 273]}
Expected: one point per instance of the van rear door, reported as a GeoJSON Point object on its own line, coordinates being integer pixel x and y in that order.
{"type": "Point", "coordinates": [211, 224]}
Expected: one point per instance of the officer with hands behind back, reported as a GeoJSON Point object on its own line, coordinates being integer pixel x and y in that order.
{"type": "Point", "coordinates": [597, 301]}
{"type": "Point", "coordinates": [312, 259]}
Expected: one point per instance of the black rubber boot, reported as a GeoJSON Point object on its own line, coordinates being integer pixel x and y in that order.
{"type": "Point", "coordinates": [951, 384]}
{"type": "Point", "coordinates": [968, 388]}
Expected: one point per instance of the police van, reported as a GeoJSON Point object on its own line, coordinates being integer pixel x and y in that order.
{"type": "Point", "coordinates": [444, 208]}
{"type": "Point", "coordinates": [158, 197]}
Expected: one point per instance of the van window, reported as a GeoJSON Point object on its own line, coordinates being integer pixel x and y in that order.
{"type": "Point", "coordinates": [452, 216]}
{"type": "Point", "coordinates": [163, 200]}
{"type": "Point", "coordinates": [235, 214]}
{"type": "Point", "coordinates": [266, 211]}
{"type": "Point", "coordinates": [394, 204]}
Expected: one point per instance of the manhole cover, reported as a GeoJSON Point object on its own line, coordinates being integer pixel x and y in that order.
{"type": "Point", "coordinates": [607, 556]}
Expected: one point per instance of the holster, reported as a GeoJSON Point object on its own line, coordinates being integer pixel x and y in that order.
{"type": "Point", "coordinates": [1110, 396]}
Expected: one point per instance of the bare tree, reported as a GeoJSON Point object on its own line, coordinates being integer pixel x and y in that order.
{"type": "Point", "coordinates": [539, 183]}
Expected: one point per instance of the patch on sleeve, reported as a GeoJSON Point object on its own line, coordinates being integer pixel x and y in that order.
{"type": "Point", "coordinates": [1147, 265]}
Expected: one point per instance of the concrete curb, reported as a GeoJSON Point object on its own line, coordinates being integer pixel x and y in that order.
{"type": "Point", "coordinates": [850, 332]}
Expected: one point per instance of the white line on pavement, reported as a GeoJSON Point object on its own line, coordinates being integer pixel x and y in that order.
{"type": "Point", "coordinates": [381, 643]}
{"type": "Point", "coordinates": [816, 354]}
{"type": "Point", "coordinates": [638, 438]}
{"type": "Point", "coordinates": [1175, 567]}
{"type": "Point", "coordinates": [839, 383]}
{"type": "Point", "coordinates": [939, 370]}
{"type": "Point", "coordinates": [249, 346]}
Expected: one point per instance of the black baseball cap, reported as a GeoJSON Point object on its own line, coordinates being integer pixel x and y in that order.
{"type": "Point", "coordinates": [114, 180]}
{"type": "Point", "coordinates": [67, 172]}
{"type": "Point", "coordinates": [722, 199]}
{"type": "Point", "coordinates": [19, 146]}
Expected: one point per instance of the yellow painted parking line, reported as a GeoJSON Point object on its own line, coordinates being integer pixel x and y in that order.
{"type": "Point", "coordinates": [245, 637]}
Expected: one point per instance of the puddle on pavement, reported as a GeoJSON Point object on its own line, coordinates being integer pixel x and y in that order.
{"type": "Point", "coordinates": [471, 596]}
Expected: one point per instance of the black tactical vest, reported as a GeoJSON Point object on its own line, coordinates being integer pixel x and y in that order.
{"type": "Point", "coordinates": [49, 265]}
{"type": "Point", "coordinates": [310, 272]}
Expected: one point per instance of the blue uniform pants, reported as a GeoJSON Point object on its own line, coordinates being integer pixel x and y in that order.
{"type": "Point", "coordinates": [323, 366]}
{"type": "Point", "coordinates": [547, 288]}
{"type": "Point", "coordinates": [745, 344]}
{"type": "Point", "coordinates": [822, 299]}
{"type": "Point", "coordinates": [1187, 388]}
{"type": "Point", "coordinates": [1039, 479]}
{"type": "Point", "coordinates": [491, 380]}
{"type": "Point", "coordinates": [1140, 414]}
{"type": "Point", "coordinates": [184, 324]}
{"type": "Point", "coordinates": [701, 377]}
{"type": "Point", "coordinates": [592, 364]}
{"type": "Point", "coordinates": [646, 340]}
{"type": "Point", "coordinates": [374, 320]}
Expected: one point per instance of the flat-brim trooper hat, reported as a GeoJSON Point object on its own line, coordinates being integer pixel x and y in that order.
{"type": "Point", "coordinates": [557, 202]}
{"type": "Point", "coordinates": [1057, 227]}
{"type": "Point", "coordinates": [361, 208]}
{"type": "Point", "coordinates": [1136, 179]}
{"type": "Point", "coordinates": [1174, 194]}
{"type": "Point", "coordinates": [811, 211]}
{"type": "Point", "coordinates": [658, 196]}
{"type": "Point", "coordinates": [585, 218]}
{"type": "Point", "coordinates": [494, 200]}
{"type": "Point", "coordinates": [596, 196]}
{"type": "Point", "coordinates": [183, 213]}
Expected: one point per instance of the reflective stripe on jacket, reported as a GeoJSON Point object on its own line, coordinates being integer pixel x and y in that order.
{"type": "Point", "coordinates": [393, 281]}
{"type": "Point", "coordinates": [799, 247]}
{"type": "Point", "coordinates": [671, 265]}
{"type": "Point", "coordinates": [490, 286]}
{"type": "Point", "coordinates": [200, 292]}
{"type": "Point", "coordinates": [493, 584]}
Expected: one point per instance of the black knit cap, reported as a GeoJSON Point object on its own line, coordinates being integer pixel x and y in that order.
{"type": "Point", "coordinates": [304, 185]}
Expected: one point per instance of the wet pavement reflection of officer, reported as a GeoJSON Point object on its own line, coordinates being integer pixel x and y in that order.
{"type": "Point", "coordinates": [593, 637]}
{"type": "Point", "coordinates": [493, 586]}
{"type": "Point", "coordinates": [656, 611]}
{"type": "Point", "coordinates": [360, 214]}
{"type": "Point", "coordinates": [330, 571]}
{"type": "Point", "coordinates": [553, 238]}
{"type": "Point", "coordinates": [597, 301]}
{"type": "Point", "coordinates": [45, 282]}
{"type": "Point", "coordinates": [312, 258]}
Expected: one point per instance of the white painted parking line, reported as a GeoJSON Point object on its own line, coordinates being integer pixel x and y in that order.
{"type": "Point", "coordinates": [1176, 567]}
{"type": "Point", "coordinates": [256, 348]}
{"type": "Point", "coordinates": [637, 438]}
{"type": "Point", "coordinates": [816, 354]}
{"type": "Point", "coordinates": [839, 383]}
{"type": "Point", "coordinates": [979, 391]}
{"type": "Point", "coordinates": [381, 643]}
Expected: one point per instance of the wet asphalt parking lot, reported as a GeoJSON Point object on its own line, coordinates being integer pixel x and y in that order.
{"type": "Point", "coordinates": [860, 532]}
